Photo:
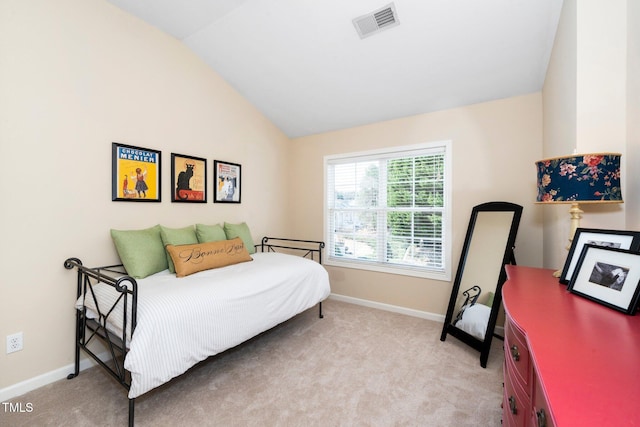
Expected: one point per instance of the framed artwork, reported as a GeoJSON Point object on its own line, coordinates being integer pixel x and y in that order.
{"type": "Point", "coordinates": [620, 239]}
{"type": "Point", "coordinates": [227, 182]}
{"type": "Point", "coordinates": [188, 179]}
{"type": "Point", "coordinates": [609, 276]}
{"type": "Point", "coordinates": [135, 174]}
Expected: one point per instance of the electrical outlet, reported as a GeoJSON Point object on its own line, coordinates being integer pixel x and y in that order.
{"type": "Point", "coordinates": [14, 342]}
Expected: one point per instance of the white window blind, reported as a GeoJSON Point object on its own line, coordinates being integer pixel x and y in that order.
{"type": "Point", "coordinates": [389, 209]}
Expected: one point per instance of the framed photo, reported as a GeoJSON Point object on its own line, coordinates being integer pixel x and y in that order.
{"type": "Point", "coordinates": [188, 179]}
{"type": "Point", "coordinates": [609, 276]}
{"type": "Point", "coordinates": [135, 174]}
{"type": "Point", "coordinates": [227, 182]}
{"type": "Point", "coordinates": [620, 239]}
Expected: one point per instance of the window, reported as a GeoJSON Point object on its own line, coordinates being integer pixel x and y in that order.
{"type": "Point", "coordinates": [389, 210]}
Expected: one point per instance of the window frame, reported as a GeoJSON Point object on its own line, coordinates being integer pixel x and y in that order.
{"type": "Point", "coordinates": [405, 270]}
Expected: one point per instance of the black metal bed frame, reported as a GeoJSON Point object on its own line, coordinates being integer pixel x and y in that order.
{"type": "Point", "coordinates": [90, 330]}
{"type": "Point", "coordinates": [471, 296]}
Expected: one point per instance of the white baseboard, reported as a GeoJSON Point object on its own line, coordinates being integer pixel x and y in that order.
{"type": "Point", "coordinates": [397, 309]}
{"type": "Point", "coordinates": [47, 378]}
{"type": "Point", "coordinates": [388, 307]}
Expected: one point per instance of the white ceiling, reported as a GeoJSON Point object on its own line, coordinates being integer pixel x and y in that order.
{"type": "Point", "coordinates": [302, 63]}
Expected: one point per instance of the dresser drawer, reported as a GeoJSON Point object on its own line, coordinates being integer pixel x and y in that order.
{"type": "Point", "coordinates": [540, 414]}
{"type": "Point", "coordinates": [517, 353]}
{"type": "Point", "coordinates": [516, 403]}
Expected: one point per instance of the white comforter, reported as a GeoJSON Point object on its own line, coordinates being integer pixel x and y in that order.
{"type": "Point", "coordinates": [182, 321]}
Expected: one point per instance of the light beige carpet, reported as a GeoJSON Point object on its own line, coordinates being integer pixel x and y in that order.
{"type": "Point", "coordinates": [356, 367]}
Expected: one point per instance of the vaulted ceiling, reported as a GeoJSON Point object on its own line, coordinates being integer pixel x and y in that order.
{"type": "Point", "coordinates": [304, 65]}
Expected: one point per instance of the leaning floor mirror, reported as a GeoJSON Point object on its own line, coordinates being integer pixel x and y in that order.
{"type": "Point", "coordinates": [476, 294]}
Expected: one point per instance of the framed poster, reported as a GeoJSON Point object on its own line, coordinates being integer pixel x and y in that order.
{"type": "Point", "coordinates": [135, 174]}
{"type": "Point", "coordinates": [609, 276]}
{"type": "Point", "coordinates": [622, 239]}
{"type": "Point", "coordinates": [227, 182]}
{"type": "Point", "coordinates": [188, 179]}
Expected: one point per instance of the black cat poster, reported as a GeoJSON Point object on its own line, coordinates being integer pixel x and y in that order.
{"type": "Point", "coordinates": [189, 179]}
{"type": "Point", "coordinates": [135, 173]}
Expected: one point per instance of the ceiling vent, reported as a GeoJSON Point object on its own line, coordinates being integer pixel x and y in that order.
{"type": "Point", "coordinates": [376, 21]}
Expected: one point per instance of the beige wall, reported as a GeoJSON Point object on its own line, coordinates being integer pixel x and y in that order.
{"type": "Point", "coordinates": [601, 75]}
{"type": "Point", "coordinates": [589, 96]}
{"type": "Point", "coordinates": [495, 145]}
{"type": "Point", "coordinates": [632, 207]}
{"type": "Point", "coordinates": [601, 94]}
{"type": "Point", "coordinates": [77, 75]}
{"type": "Point", "coordinates": [559, 118]}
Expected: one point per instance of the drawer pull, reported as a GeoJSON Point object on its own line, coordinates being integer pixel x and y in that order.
{"type": "Point", "coordinates": [541, 417]}
{"type": "Point", "coordinates": [515, 353]}
{"type": "Point", "coordinates": [512, 405]}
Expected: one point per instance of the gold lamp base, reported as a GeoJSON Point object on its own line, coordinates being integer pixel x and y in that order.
{"type": "Point", "coordinates": [576, 215]}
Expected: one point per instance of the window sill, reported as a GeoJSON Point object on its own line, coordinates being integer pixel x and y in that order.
{"type": "Point", "coordinates": [403, 271]}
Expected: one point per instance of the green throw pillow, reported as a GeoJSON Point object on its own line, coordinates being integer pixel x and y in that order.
{"type": "Point", "coordinates": [210, 233]}
{"type": "Point", "coordinates": [141, 251]}
{"type": "Point", "coordinates": [177, 236]}
{"type": "Point", "coordinates": [489, 299]}
{"type": "Point", "coordinates": [242, 231]}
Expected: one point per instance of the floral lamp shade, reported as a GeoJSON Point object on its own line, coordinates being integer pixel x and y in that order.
{"type": "Point", "coordinates": [580, 178]}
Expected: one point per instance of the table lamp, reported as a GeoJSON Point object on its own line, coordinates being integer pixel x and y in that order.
{"type": "Point", "coordinates": [579, 178]}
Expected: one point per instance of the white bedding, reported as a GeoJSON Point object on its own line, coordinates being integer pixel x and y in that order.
{"type": "Point", "coordinates": [182, 321]}
{"type": "Point", "coordinates": [475, 319]}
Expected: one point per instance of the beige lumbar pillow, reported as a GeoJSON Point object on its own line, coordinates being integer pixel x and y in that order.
{"type": "Point", "coordinates": [189, 259]}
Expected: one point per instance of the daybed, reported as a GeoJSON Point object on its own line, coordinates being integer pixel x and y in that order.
{"type": "Point", "coordinates": [157, 327]}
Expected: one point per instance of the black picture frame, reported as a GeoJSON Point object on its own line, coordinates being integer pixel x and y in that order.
{"type": "Point", "coordinates": [188, 179]}
{"type": "Point", "coordinates": [609, 276]}
{"type": "Point", "coordinates": [135, 173]}
{"type": "Point", "coordinates": [621, 239]}
{"type": "Point", "coordinates": [227, 182]}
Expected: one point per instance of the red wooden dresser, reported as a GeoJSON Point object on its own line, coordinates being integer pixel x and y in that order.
{"type": "Point", "coordinates": [568, 361]}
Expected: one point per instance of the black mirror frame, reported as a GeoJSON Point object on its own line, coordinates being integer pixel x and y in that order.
{"type": "Point", "coordinates": [483, 346]}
